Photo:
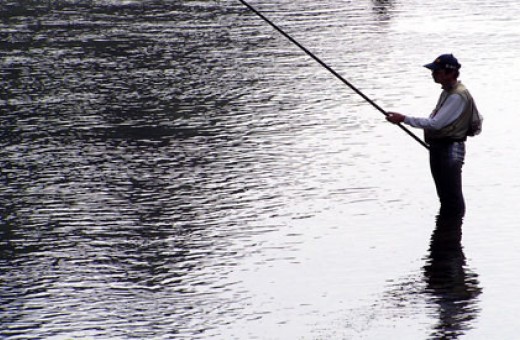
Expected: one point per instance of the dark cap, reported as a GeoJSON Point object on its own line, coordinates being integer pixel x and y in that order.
{"type": "Point", "coordinates": [445, 61]}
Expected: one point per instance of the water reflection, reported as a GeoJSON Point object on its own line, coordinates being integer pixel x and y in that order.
{"type": "Point", "coordinates": [452, 286]}
{"type": "Point", "coordinates": [382, 8]}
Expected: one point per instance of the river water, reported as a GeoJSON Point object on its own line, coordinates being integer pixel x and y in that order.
{"type": "Point", "coordinates": [180, 170]}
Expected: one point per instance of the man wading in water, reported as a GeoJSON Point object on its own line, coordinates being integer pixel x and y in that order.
{"type": "Point", "coordinates": [445, 131]}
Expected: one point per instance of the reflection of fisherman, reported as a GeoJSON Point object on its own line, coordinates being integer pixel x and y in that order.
{"type": "Point", "coordinates": [452, 286]}
{"type": "Point", "coordinates": [445, 131]}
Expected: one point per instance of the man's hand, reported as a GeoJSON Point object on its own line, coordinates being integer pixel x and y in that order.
{"type": "Point", "coordinates": [394, 117]}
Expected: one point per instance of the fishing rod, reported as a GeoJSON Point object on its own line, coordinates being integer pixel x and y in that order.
{"type": "Point", "coordinates": [310, 54]}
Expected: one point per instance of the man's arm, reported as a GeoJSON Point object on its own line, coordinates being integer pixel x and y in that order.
{"type": "Point", "coordinates": [447, 114]}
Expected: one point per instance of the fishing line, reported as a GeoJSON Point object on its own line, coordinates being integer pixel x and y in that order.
{"type": "Point", "coordinates": [310, 54]}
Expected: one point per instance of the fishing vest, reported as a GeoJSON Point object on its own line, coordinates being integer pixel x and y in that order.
{"type": "Point", "coordinates": [457, 130]}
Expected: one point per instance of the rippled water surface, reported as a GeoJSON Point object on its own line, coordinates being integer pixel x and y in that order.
{"type": "Point", "coordinates": [180, 170]}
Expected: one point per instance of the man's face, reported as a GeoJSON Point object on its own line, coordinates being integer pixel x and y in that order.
{"type": "Point", "coordinates": [439, 76]}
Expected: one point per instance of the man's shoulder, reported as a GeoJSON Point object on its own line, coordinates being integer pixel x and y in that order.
{"type": "Point", "coordinates": [460, 87]}
{"type": "Point", "coordinates": [460, 90]}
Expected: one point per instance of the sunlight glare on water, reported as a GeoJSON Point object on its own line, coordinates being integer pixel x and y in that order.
{"type": "Point", "coordinates": [180, 170]}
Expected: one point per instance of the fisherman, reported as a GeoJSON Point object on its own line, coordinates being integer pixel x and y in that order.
{"type": "Point", "coordinates": [445, 131]}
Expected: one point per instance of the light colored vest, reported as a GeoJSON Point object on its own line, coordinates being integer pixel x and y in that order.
{"type": "Point", "coordinates": [457, 130]}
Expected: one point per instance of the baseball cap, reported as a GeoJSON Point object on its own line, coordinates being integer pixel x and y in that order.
{"type": "Point", "coordinates": [444, 61]}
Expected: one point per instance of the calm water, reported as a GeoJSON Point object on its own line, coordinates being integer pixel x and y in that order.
{"type": "Point", "coordinates": [179, 170]}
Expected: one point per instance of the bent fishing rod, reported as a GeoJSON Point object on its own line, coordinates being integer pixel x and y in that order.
{"type": "Point", "coordinates": [328, 68]}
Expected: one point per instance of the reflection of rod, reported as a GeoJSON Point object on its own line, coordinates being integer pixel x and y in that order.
{"type": "Point", "coordinates": [331, 71]}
